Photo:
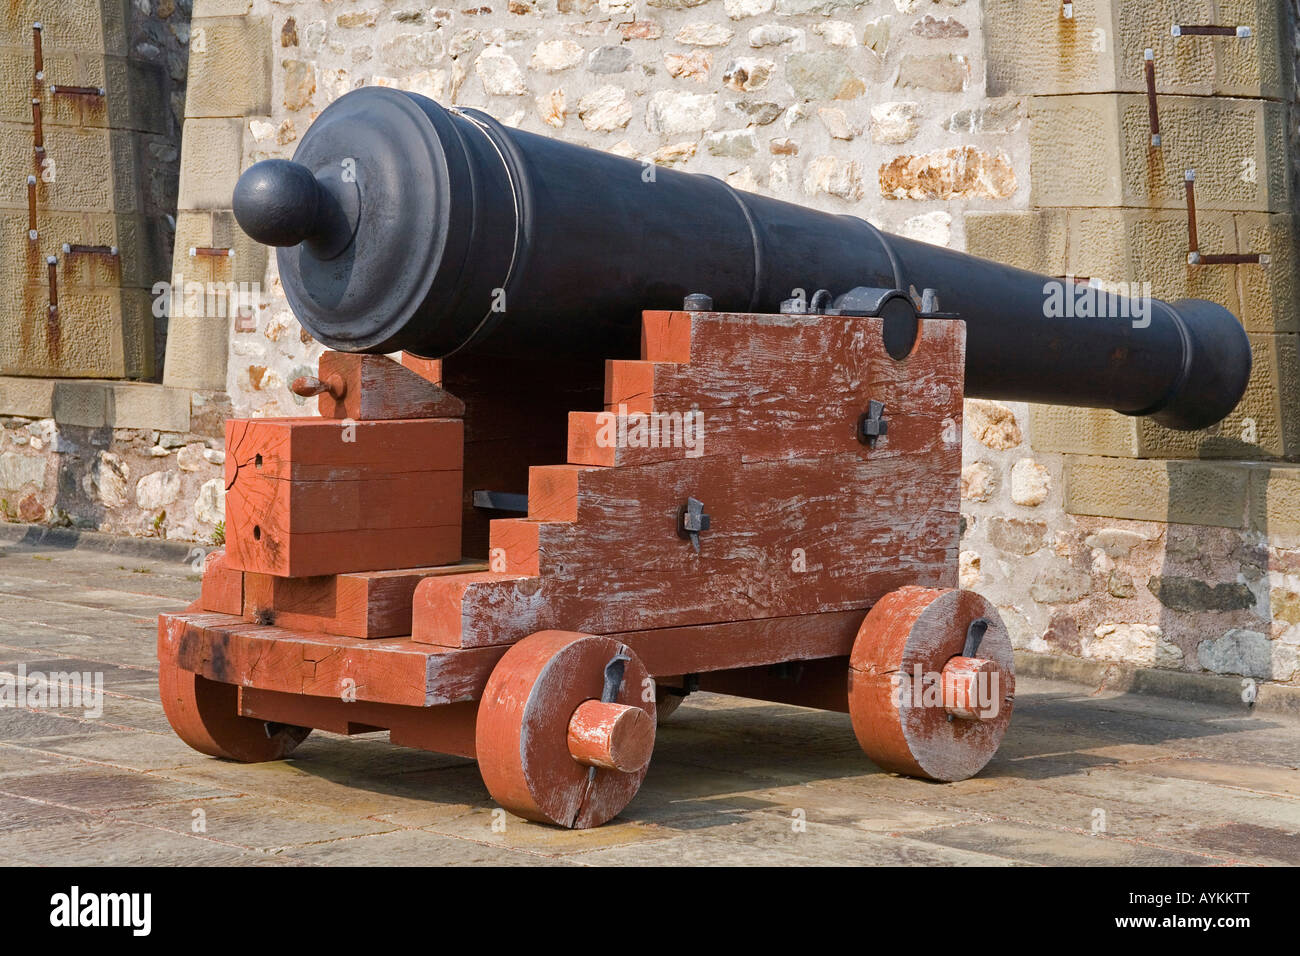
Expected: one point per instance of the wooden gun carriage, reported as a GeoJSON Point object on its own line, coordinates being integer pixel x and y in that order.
{"type": "Point", "coordinates": [765, 503]}
{"type": "Point", "coordinates": [341, 603]}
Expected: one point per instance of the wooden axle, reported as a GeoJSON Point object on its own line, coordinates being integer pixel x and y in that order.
{"type": "Point", "coordinates": [611, 736]}
{"type": "Point", "coordinates": [970, 688]}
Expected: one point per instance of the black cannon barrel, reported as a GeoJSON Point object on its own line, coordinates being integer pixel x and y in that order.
{"type": "Point", "coordinates": [402, 225]}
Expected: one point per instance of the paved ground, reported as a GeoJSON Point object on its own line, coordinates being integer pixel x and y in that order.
{"type": "Point", "coordinates": [1084, 779]}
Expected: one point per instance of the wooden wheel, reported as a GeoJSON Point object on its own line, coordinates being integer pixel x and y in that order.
{"type": "Point", "coordinates": [205, 714]}
{"type": "Point", "coordinates": [920, 704]}
{"type": "Point", "coordinates": [564, 735]}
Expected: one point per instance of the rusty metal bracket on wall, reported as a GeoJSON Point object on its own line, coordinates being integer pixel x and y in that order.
{"type": "Point", "coordinates": [1194, 255]}
{"type": "Point", "coordinates": [1239, 33]}
{"type": "Point", "coordinates": [38, 56]}
{"type": "Point", "coordinates": [53, 263]}
{"type": "Point", "coordinates": [1152, 110]}
{"type": "Point", "coordinates": [76, 250]}
{"type": "Point", "coordinates": [38, 131]}
{"type": "Point", "coordinates": [31, 209]}
{"type": "Point", "coordinates": [77, 91]}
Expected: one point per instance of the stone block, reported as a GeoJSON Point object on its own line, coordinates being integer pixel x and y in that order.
{"type": "Point", "coordinates": [230, 67]}
{"type": "Point", "coordinates": [1270, 294]}
{"type": "Point", "coordinates": [27, 397]}
{"type": "Point", "coordinates": [1275, 503]}
{"type": "Point", "coordinates": [250, 259]}
{"type": "Point", "coordinates": [1238, 148]}
{"type": "Point", "coordinates": [143, 244]}
{"type": "Point", "coordinates": [136, 96]}
{"type": "Point", "coordinates": [1032, 48]}
{"type": "Point", "coordinates": [1150, 246]}
{"type": "Point", "coordinates": [197, 344]}
{"type": "Point", "coordinates": [1261, 66]}
{"type": "Point", "coordinates": [113, 334]}
{"type": "Point", "coordinates": [73, 26]}
{"type": "Point", "coordinates": [16, 69]}
{"type": "Point", "coordinates": [121, 405]}
{"type": "Point", "coordinates": [1035, 239]}
{"type": "Point", "coordinates": [211, 151]}
{"type": "Point", "coordinates": [80, 175]}
{"type": "Point", "coordinates": [222, 8]}
{"type": "Point", "coordinates": [1082, 431]}
{"type": "Point", "coordinates": [1180, 492]}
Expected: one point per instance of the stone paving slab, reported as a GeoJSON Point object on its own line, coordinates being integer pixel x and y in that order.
{"type": "Point", "coordinates": [1084, 777]}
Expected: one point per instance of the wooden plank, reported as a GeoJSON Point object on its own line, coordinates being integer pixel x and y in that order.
{"type": "Point", "coordinates": [445, 611]}
{"type": "Point", "coordinates": [320, 449]}
{"type": "Point", "coordinates": [514, 545]}
{"type": "Point", "coordinates": [374, 387]}
{"type": "Point", "coordinates": [269, 549]}
{"type": "Point", "coordinates": [430, 369]}
{"type": "Point", "coordinates": [364, 604]}
{"type": "Point", "coordinates": [447, 728]}
{"type": "Point", "coordinates": [553, 492]}
{"type": "Point", "coordinates": [701, 649]}
{"type": "Point", "coordinates": [222, 589]}
{"type": "Point", "coordinates": [402, 672]}
{"type": "Point", "coordinates": [309, 497]}
{"type": "Point", "coordinates": [666, 336]}
{"type": "Point", "coordinates": [805, 517]}
{"type": "Point", "coordinates": [421, 499]}
{"type": "Point", "coordinates": [629, 385]}
{"type": "Point", "coordinates": [388, 670]}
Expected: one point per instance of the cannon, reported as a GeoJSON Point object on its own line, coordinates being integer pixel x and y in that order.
{"type": "Point", "coordinates": [647, 434]}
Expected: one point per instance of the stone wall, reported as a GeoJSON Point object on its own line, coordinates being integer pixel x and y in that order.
{"type": "Point", "coordinates": [101, 149]}
{"type": "Point", "coordinates": [1107, 540]}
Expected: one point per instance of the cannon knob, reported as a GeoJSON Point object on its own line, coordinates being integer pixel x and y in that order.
{"type": "Point", "coordinates": [282, 203]}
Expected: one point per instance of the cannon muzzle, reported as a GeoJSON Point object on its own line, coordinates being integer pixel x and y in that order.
{"type": "Point", "coordinates": [401, 225]}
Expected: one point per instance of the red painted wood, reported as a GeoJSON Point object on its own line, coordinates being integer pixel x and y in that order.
{"type": "Point", "coordinates": [387, 670]}
{"type": "Point", "coordinates": [447, 729]}
{"type": "Point", "coordinates": [319, 449]}
{"type": "Point", "coordinates": [912, 634]}
{"type": "Point", "coordinates": [222, 589]}
{"type": "Point", "coordinates": [372, 387]}
{"type": "Point", "coordinates": [232, 650]}
{"type": "Point", "coordinates": [611, 736]}
{"type": "Point", "coordinates": [516, 542]}
{"type": "Point", "coordinates": [366, 604]}
{"type": "Point", "coordinates": [666, 336]}
{"type": "Point", "coordinates": [311, 497]}
{"type": "Point", "coordinates": [629, 385]}
{"type": "Point", "coordinates": [961, 686]}
{"type": "Point", "coordinates": [553, 492]}
{"type": "Point", "coordinates": [429, 369]}
{"type": "Point", "coordinates": [805, 518]}
{"type": "Point", "coordinates": [523, 729]}
{"type": "Point", "coordinates": [205, 713]}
